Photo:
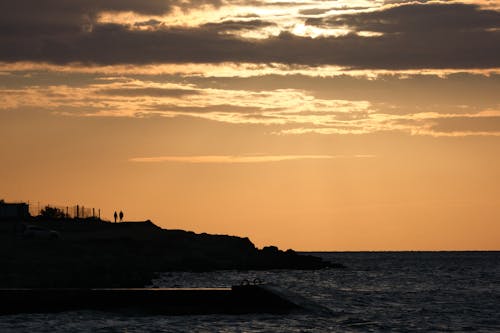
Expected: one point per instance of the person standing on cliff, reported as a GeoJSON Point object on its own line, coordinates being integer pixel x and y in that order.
{"type": "Point", "coordinates": [121, 216]}
{"type": "Point", "coordinates": [116, 216]}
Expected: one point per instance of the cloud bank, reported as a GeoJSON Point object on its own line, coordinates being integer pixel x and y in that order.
{"type": "Point", "coordinates": [290, 68]}
{"type": "Point", "coordinates": [402, 36]}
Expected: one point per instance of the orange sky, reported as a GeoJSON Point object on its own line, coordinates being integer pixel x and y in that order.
{"type": "Point", "coordinates": [284, 132]}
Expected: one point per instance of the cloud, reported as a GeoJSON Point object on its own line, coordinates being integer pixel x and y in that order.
{"type": "Point", "coordinates": [410, 36]}
{"type": "Point", "coordinates": [485, 123]}
{"type": "Point", "coordinates": [397, 93]}
{"type": "Point", "coordinates": [457, 105]}
{"type": "Point", "coordinates": [233, 159]}
{"type": "Point", "coordinates": [36, 23]}
{"type": "Point", "coordinates": [153, 92]}
{"type": "Point", "coordinates": [217, 108]}
{"type": "Point", "coordinates": [233, 25]}
{"type": "Point", "coordinates": [419, 19]}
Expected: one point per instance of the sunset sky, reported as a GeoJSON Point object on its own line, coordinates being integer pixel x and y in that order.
{"type": "Point", "coordinates": [312, 125]}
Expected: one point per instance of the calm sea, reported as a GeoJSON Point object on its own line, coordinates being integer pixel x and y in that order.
{"type": "Point", "coordinates": [378, 292]}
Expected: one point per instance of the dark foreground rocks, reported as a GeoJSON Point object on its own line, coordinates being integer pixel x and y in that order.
{"type": "Point", "coordinates": [94, 253]}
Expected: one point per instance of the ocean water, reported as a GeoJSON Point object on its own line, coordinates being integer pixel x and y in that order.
{"type": "Point", "coordinates": [377, 292]}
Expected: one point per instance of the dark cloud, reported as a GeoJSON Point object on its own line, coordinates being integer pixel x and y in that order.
{"type": "Point", "coordinates": [315, 11]}
{"type": "Point", "coordinates": [414, 36]}
{"type": "Point", "coordinates": [233, 25]}
{"type": "Point", "coordinates": [249, 15]}
{"type": "Point", "coordinates": [321, 11]}
{"type": "Point", "coordinates": [152, 92]}
{"type": "Point", "coordinates": [418, 19]}
{"type": "Point", "coordinates": [264, 3]}
{"type": "Point", "coordinates": [398, 2]}
{"type": "Point", "coordinates": [35, 17]}
{"type": "Point", "coordinates": [148, 23]}
{"type": "Point", "coordinates": [48, 16]}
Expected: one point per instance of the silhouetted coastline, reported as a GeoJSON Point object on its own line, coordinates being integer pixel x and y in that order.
{"type": "Point", "coordinates": [96, 253]}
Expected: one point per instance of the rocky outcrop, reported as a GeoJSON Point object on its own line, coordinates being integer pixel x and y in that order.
{"type": "Point", "coordinates": [102, 254]}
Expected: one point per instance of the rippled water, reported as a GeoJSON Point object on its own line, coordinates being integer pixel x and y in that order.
{"type": "Point", "coordinates": [378, 292]}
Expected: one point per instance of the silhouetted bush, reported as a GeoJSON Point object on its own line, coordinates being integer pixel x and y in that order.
{"type": "Point", "coordinates": [52, 213]}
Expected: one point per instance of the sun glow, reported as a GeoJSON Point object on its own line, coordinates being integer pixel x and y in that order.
{"type": "Point", "coordinates": [295, 123]}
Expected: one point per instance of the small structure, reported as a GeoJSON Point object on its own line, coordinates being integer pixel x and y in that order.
{"type": "Point", "coordinates": [14, 210]}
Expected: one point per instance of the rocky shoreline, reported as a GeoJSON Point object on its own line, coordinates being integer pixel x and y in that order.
{"type": "Point", "coordinates": [95, 253]}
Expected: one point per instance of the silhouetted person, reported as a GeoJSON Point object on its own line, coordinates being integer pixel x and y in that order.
{"type": "Point", "coordinates": [121, 216]}
{"type": "Point", "coordinates": [116, 216]}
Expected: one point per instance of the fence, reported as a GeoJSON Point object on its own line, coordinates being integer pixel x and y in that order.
{"type": "Point", "coordinates": [76, 211]}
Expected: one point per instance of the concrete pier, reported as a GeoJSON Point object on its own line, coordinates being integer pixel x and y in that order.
{"type": "Point", "coordinates": [168, 301]}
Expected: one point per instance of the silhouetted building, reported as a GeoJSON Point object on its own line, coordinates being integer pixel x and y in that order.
{"type": "Point", "coordinates": [14, 210]}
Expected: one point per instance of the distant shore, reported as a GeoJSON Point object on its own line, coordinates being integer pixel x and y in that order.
{"type": "Point", "coordinates": [96, 253]}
